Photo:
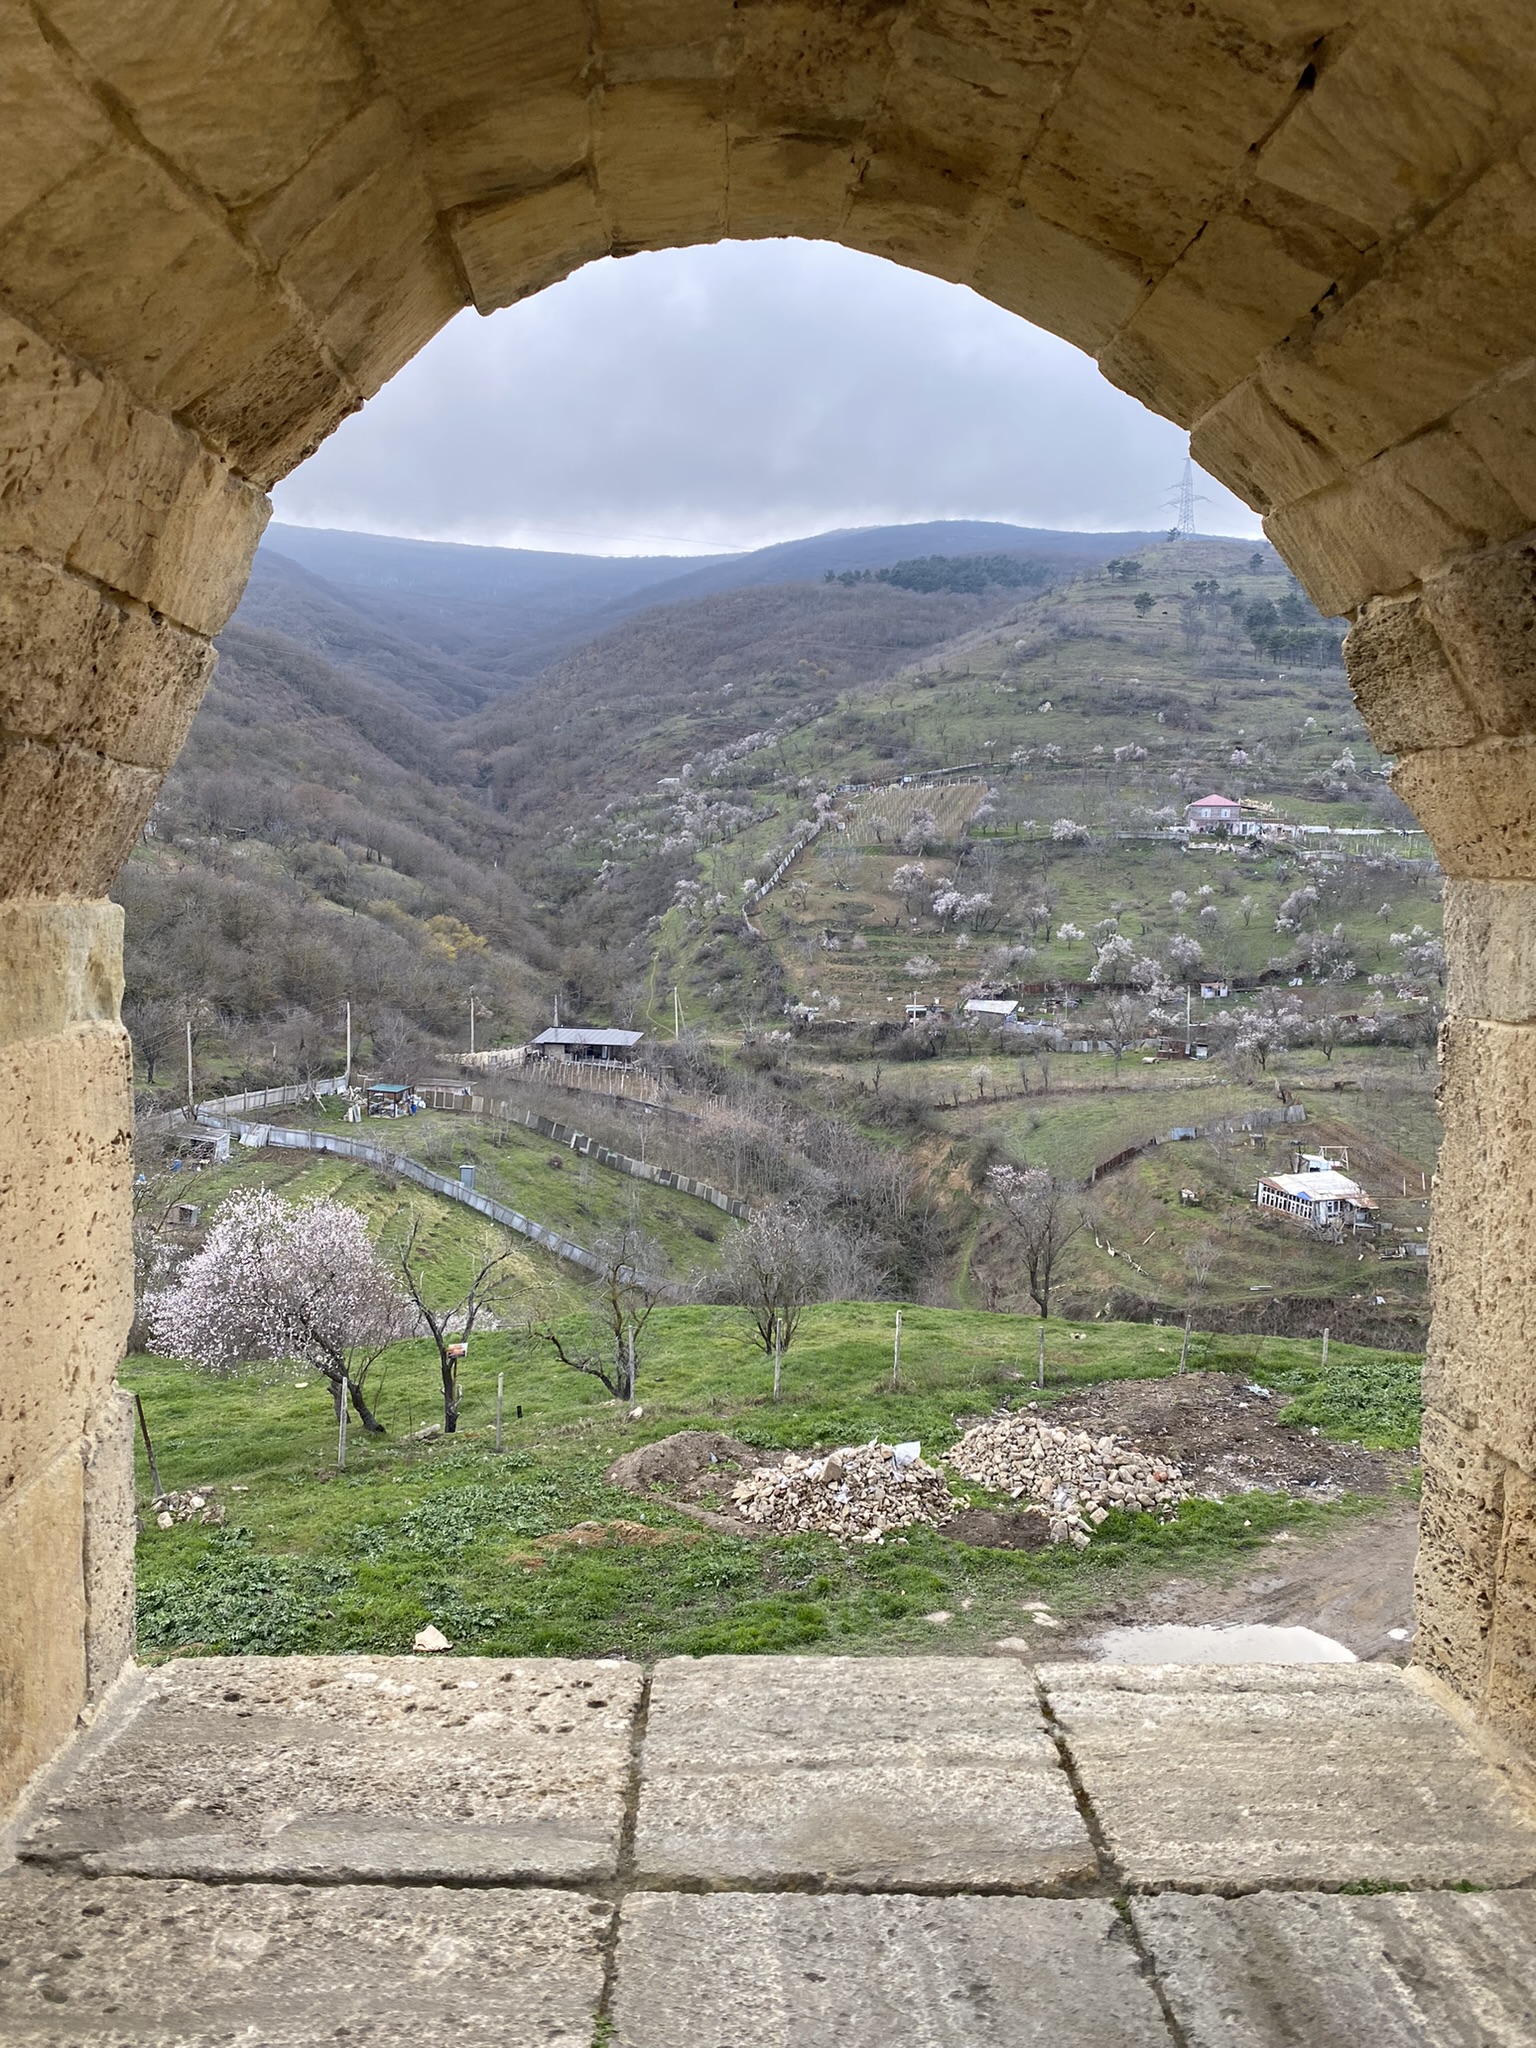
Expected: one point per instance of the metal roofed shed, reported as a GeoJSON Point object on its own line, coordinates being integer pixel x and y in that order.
{"type": "Point", "coordinates": [574, 1042]}
{"type": "Point", "coordinates": [390, 1098]}
{"type": "Point", "coordinates": [989, 1006]}
{"type": "Point", "coordinates": [1321, 1196]}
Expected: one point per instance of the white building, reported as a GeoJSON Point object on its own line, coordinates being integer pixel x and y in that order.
{"type": "Point", "coordinates": [1320, 1195]}
{"type": "Point", "coordinates": [1216, 813]}
{"type": "Point", "coordinates": [988, 1006]}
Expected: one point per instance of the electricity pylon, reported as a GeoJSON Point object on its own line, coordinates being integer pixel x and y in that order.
{"type": "Point", "coordinates": [1183, 502]}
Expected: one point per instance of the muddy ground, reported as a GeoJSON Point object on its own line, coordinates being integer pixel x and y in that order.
{"type": "Point", "coordinates": [1355, 1585]}
{"type": "Point", "coordinates": [1224, 1434]}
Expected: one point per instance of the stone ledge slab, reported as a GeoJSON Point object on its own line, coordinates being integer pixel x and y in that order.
{"type": "Point", "coordinates": [339, 1769]}
{"type": "Point", "coordinates": [864, 1773]}
{"type": "Point", "coordinates": [790, 1971]}
{"type": "Point", "coordinates": [1421, 1970]}
{"type": "Point", "coordinates": [101, 1963]}
{"type": "Point", "coordinates": [1235, 1777]}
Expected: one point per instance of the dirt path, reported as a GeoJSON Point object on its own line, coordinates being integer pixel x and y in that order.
{"type": "Point", "coordinates": [1355, 1585]}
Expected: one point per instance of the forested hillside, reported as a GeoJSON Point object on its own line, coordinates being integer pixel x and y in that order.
{"type": "Point", "coordinates": [972, 764]}
{"type": "Point", "coordinates": [359, 815]}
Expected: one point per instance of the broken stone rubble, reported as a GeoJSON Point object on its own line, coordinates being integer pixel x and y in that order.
{"type": "Point", "coordinates": [1075, 1477]}
{"type": "Point", "coordinates": [856, 1494]}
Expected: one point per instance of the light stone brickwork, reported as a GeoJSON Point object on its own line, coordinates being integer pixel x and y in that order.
{"type": "Point", "coordinates": [1303, 228]}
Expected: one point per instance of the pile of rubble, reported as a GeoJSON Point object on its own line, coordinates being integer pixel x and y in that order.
{"type": "Point", "coordinates": [855, 1494]}
{"type": "Point", "coordinates": [170, 1508]}
{"type": "Point", "coordinates": [1075, 1477]}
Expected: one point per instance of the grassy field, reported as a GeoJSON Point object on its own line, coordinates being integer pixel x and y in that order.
{"type": "Point", "coordinates": [548, 1183]}
{"type": "Point", "coordinates": [447, 1531]}
{"type": "Point", "coordinates": [450, 1236]}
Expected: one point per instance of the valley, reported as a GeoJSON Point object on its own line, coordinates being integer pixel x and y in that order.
{"type": "Point", "coordinates": [788, 830]}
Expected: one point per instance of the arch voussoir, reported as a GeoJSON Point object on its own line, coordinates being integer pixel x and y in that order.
{"type": "Point", "coordinates": [1308, 237]}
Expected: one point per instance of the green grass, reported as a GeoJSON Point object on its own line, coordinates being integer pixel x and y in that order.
{"type": "Point", "coordinates": [450, 1532]}
{"type": "Point", "coordinates": [553, 1185]}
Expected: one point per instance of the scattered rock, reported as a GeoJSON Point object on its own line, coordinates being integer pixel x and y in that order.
{"type": "Point", "coordinates": [1226, 1438]}
{"type": "Point", "coordinates": [200, 1506]}
{"type": "Point", "coordinates": [430, 1642]}
{"type": "Point", "coordinates": [425, 1436]}
{"type": "Point", "coordinates": [857, 1493]}
{"type": "Point", "coordinates": [1076, 1479]}
{"type": "Point", "coordinates": [1015, 1646]}
{"type": "Point", "coordinates": [939, 1617]}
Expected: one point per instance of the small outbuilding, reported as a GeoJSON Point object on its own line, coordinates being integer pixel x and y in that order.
{"type": "Point", "coordinates": [991, 1007]}
{"type": "Point", "coordinates": [390, 1098]}
{"type": "Point", "coordinates": [1319, 1195]}
{"type": "Point", "coordinates": [576, 1042]}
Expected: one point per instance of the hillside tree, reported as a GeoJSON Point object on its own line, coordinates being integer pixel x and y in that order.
{"type": "Point", "coordinates": [295, 1282]}
{"type": "Point", "coordinates": [1044, 1214]}
{"type": "Point", "coordinates": [603, 1339]}
{"type": "Point", "coordinates": [450, 1312]}
{"type": "Point", "coordinates": [776, 1265]}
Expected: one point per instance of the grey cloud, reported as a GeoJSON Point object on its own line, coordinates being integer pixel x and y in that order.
{"type": "Point", "coordinates": [741, 394]}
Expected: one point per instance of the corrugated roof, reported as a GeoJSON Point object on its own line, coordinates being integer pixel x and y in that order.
{"type": "Point", "coordinates": [1318, 1187]}
{"type": "Point", "coordinates": [1200, 802]}
{"type": "Point", "coordinates": [575, 1035]}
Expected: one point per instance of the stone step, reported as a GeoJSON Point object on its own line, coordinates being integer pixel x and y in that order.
{"type": "Point", "coordinates": [791, 1852]}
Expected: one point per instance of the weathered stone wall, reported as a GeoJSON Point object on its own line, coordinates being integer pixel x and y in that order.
{"type": "Point", "coordinates": [1303, 228]}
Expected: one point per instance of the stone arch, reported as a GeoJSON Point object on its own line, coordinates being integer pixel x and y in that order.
{"type": "Point", "coordinates": [1302, 228]}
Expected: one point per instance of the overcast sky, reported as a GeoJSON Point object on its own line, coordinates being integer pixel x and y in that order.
{"type": "Point", "coordinates": [709, 398]}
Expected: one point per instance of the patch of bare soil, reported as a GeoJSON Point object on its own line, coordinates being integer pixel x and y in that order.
{"type": "Point", "coordinates": [1225, 1436]}
{"type": "Point", "coordinates": [603, 1535]}
{"type": "Point", "coordinates": [1029, 1529]}
{"type": "Point", "coordinates": [691, 1468]}
{"type": "Point", "coordinates": [693, 1461]}
{"type": "Point", "coordinates": [1355, 1585]}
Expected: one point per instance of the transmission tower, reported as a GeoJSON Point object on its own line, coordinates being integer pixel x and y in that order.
{"type": "Point", "coordinates": [1183, 503]}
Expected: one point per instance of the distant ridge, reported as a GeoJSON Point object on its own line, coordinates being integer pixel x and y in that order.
{"type": "Point", "coordinates": [501, 615]}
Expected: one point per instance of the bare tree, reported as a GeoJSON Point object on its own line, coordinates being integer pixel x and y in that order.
{"type": "Point", "coordinates": [779, 1263]}
{"type": "Point", "coordinates": [604, 1339]}
{"type": "Point", "coordinates": [1199, 1258]}
{"type": "Point", "coordinates": [450, 1313]}
{"type": "Point", "coordinates": [1045, 1214]}
{"type": "Point", "coordinates": [1124, 1025]}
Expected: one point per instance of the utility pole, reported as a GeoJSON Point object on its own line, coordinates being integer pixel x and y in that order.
{"type": "Point", "coordinates": [190, 1101]}
{"type": "Point", "coordinates": [896, 1358]}
{"type": "Point", "coordinates": [471, 1020]}
{"type": "Point", "coordinates": [1189, 1004]}
{"type": "Point", "coordinates": [347, 1077]}
{"type": "Point", "coordinates": [677, 1015]}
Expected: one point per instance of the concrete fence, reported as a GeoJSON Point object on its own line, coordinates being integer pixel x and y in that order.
{"type": "Point", "coordinates": [587, 1148]}
{"type": "Point", "coordinates": [408, 1169]}
{"type": "Point", "coordinates": [164, 1120]}
{"type": "Point", "coordinates": [766, 888]}
{"type": "Point", "coordinates": [1249, 1120]}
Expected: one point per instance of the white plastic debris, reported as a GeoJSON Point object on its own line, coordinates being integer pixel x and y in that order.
{"type": "Point", "coordinates": [430, 1641]}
